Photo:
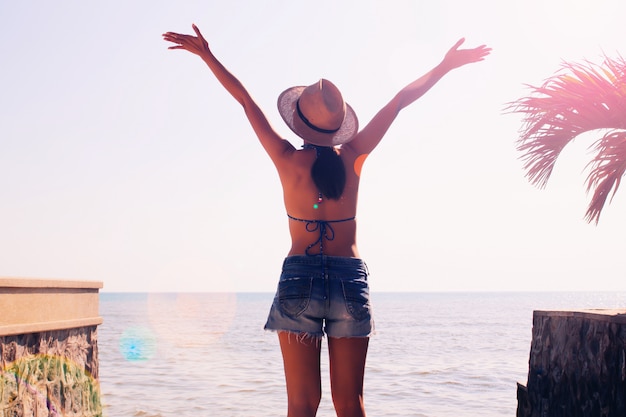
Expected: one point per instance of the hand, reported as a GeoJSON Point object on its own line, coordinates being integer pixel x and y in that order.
{"type": "Point", "coordinates": [458, 57]}
{"type": "Point", "coordinates": [194, 44]}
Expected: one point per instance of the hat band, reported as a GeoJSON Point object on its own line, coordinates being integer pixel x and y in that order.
{"type": "Point", "coordinates": [311, 125]}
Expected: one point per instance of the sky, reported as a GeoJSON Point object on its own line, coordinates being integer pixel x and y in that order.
{"type": "Point", "coordinates": [124, 162]}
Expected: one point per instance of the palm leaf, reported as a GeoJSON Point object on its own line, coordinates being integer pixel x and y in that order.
{"type": "Point", "coordinates": [607, 170]}
{"type": "Point", "coordinates": [581, 97]}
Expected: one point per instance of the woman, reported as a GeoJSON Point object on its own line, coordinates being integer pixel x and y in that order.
{"type": "Point", "coordinates": [323, 287]}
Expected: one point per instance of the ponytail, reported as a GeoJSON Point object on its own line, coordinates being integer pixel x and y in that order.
{"type": "Point", "coordinates": [328, 172]}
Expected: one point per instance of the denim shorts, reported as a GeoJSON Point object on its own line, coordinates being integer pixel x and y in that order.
{"type": "Point", "coordinates": [320, 295]}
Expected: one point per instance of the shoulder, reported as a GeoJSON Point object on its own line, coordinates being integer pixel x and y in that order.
{"type": "Point", "coordinates": [351, 153]}
{"type": "Point", "coordinates": [289, 158]}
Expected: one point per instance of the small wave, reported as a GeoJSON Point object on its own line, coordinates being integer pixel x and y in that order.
{"type": "Point", "coordinates": [143, 413]}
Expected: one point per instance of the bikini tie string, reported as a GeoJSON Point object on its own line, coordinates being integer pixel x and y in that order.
{"type": "Point", "coordinates": [326, 231]}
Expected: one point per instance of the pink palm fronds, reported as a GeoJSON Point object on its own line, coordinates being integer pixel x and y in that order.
{"type": "Point", "coordinates": [583, 97]}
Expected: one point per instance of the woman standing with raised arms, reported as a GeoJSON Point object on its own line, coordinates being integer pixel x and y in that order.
{"type": "Point", "coordinates": [323, 288]}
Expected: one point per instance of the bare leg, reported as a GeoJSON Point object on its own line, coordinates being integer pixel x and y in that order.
{"type": "Point", "coordinates": [347, 368]}
{"type": "Point", "coordinates": [301, 359]}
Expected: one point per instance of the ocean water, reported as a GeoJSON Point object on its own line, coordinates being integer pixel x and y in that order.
{"type": "Point", "coordinates": [434, 354]}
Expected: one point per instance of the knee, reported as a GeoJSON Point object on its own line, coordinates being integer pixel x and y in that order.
{"type": "Point", "coordinates": [349, 406]}
{"type": "Point", "coordinates": [304, 406]}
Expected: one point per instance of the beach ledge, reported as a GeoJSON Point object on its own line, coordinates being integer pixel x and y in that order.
{"type": "Point", "coordinates": [577, 365]}
{"type": "Point", "coordinates": [49, 347]}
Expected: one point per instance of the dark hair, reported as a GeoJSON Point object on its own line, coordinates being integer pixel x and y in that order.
{"type": "Point", "coordinates": [328, 172]}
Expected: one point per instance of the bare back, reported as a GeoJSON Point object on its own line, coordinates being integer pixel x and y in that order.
{"type": "Point", "coordinates": [300, 194]}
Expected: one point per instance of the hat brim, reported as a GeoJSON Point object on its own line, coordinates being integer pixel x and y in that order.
{"type": "Point", "coordinates": [287, 109]}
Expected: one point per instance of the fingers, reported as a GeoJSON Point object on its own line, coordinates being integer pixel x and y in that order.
{"type": "Point", "coordinates": [205, 44]}
{"type": "Point", "coordinates": [458, 43]}
{"type": "Point", "coordinates": [175, 38]}
{"type": "Point", "coordinates": [191, 43]}
{"type": "Point", "coordinates": [195, 29]}
{"type": "Point", "coordinates": [173, 34]}
{"type": "Point", "coordinates": [172, 37]}
{"type": "Point", "coordinates": [483, 50]}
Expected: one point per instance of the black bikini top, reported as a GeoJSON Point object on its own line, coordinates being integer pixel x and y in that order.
{"type": "Point", "coordinates": [324, 227]}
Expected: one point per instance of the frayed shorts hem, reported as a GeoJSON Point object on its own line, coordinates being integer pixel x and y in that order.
{"type": "Point", "coordinates": [304, 336]}
{"type": "Point", "coordinates": [322, 335]}
{"type": "Point", "coordinates": [298, 335]}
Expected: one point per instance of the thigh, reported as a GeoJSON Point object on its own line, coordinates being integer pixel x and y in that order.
{"type": "Point", "coordinates": [347, 365]}
{"type": "Point", "coordinates": [301, 360]}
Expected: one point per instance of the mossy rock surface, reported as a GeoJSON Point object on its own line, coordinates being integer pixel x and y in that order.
{"type": "Point", "coordinates": [48, 385]}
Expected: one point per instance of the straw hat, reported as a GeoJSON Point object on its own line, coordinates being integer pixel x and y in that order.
{"type": "Point", "coordinates": [318, 114]}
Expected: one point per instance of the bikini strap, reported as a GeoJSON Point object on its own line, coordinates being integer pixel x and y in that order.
{"type": "Point", "coordinates": [324, 227]}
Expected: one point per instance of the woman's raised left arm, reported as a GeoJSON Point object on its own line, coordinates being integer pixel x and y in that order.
{"type": "Point", "coordinates": [371, 135]}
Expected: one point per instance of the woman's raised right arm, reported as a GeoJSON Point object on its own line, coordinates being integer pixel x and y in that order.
{"type": "Point", "coordinates": [273, 144]}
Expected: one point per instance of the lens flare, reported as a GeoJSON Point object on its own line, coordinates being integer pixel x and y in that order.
{"type": "Point", "coordinates": [358, 163]}
{"type": "Point", "coordinates": [192, 319]}
{"type": "Point", "coordinates": [137, 344]}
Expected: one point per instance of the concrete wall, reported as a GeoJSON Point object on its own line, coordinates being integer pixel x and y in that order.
{"type": "Point", "coordinates": [49, 348]}
{"type": "Point", "coordinates": [577, 365]}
